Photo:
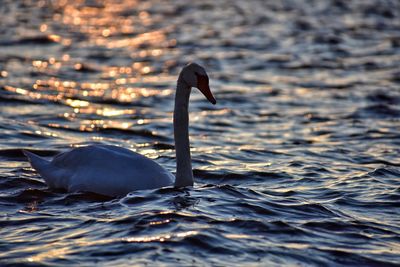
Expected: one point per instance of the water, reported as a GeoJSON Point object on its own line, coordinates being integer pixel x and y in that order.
{"type": "Point", "coordinates": [297, 164]}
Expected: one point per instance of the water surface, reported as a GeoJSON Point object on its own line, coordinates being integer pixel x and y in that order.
{"type": "Point", "coordinates": [298, 163]}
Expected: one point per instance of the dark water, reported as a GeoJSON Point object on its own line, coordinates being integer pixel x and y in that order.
{"type": "Point", "coordinates": [298, 163]}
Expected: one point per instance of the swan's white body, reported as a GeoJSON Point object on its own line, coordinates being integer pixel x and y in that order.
{"type": "Point", "coordinates": [103, 169]}
{"type": "Point", "coordinates": [116, 171]}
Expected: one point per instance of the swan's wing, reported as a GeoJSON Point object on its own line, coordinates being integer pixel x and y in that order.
{"type": "Point", "coordinates": [110, 170]}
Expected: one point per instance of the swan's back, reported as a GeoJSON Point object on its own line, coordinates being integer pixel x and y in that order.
{"type": "Point", "coordinates": [103, 169]}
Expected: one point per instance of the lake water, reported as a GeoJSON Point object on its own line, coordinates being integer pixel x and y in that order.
{"type": "Point", "coordinates": [297, 165]}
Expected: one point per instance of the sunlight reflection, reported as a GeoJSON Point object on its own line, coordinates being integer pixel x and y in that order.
{"type": "Point", "coordinates": [45, 133]}
{"type": "Point", "coordinates": [65, 247]}
{"type": "Point", "coordinates": [102, 24]}
{"type": "Point", "coordinates": [91, 125]}
{"type": "Point", "coordinates": [160, 222]}
{"type": "Point", "coordinates": [237, 236]}
{"type": "Point", "coordinates": [4, 74]}
{"type": "Point", "coordinates": [52, 253]}
{"type": "Point", "coordinates": [108, 112]}
{"type": "Point", "coordinates": [102, 21]}
{"type": "Point", "coordinates": [55, 38]}
{"type": "Point", "coordinates": [76, 103]}
{"type": "Point", "coordinates": [159, 238]}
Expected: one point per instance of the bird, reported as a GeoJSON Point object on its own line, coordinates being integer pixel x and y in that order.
{"type": "Point", "coordinates": [116, 171]}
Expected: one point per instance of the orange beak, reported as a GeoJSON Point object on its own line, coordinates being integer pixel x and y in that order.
{"type": "Point", "coordinates": [202, 84]}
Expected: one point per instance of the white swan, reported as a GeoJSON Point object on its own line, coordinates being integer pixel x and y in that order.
{"type": "Point", "coordinates": [115, 171]}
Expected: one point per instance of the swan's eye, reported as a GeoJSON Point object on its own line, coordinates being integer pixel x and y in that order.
{"type": "Point", "coordinates": [202, 80]}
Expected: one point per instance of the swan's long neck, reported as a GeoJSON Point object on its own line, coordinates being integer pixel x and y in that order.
{"type": "Point", "coordinates": [184, 173]}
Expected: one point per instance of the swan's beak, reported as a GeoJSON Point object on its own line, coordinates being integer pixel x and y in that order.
{"type": "Point", "coordinates": [202, 84]}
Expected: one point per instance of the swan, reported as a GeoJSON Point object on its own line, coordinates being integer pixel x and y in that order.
{"type": "Point", "coordinates": [115, 171]}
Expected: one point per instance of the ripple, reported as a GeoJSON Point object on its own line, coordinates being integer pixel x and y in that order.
{"type": "Point", "coordinates": [377, 111]}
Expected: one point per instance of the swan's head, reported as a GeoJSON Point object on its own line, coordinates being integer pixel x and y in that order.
{"type": "Point", "coordinates": [195, 76]}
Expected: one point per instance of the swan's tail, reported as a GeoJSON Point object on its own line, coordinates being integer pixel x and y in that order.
{"type": "Point", "coordinates": [53, 177]}
{"type": "Point", "coordinates": [38, 163]}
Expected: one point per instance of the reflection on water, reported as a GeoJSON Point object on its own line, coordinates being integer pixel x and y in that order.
{"type": "Point", "coordinates": [297, 164]}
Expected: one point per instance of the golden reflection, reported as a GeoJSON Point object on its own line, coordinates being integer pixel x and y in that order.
{"type": "Point", "coordinates": [4, 74]}
{"type": "Point", "coordinates": [52, 253]}
{"type": "Point", "coordinates": [159, 238]}
{"type": "Point", "coordinates": [105, 24]}
{"type": "Point", "coordinates": [150, 38]}
{"type": "Point", "coordinates": [125, 125]}
{"type": "Point", "coordinates": [303, 91]}
{"type": "Point", "coordinates": [297, 246]}
{"type": "Point", "coordinates": [108, 112]}
{"type": "Point", "coordinates": [237, 236]}
{"type": "Point", "coordinates": [78, 66]}
{"type": "Point", "coordinates": [55, 38]}
{"type": "Point", "coordinates": [95, 86]}
{"type": "Point", "coordinates": [38, 132]}
{"type": "Point", "coordinates": [160, 222]}
{"type": "Point", "coordinates": [66, 57]}
{"type": "Point", "coordinates": [106, 32]}
{"type": "Point", "coordinates": [43, 27]}
{"type": "Point", "coordinates": [219, 112]}
{"type": "Point", "coordinates": [61, 249]}
{"type": "Point", "coordinates": [128, 94]}
{"type": "Point", "coordinates": [76, 103]}
{"type": "Point", "coordinates": [103, 21]}
{"type": "Point", "coordinates": [33, 95]}
{"type": "Point", "coordinates": [92, 125]}
{"type": "Point", "coordinates": [150, 153]}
